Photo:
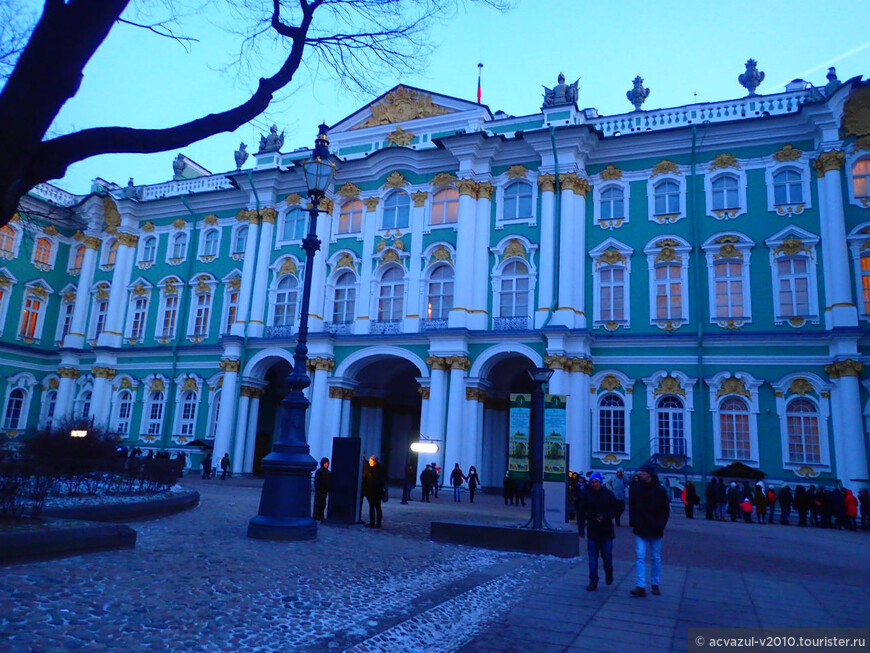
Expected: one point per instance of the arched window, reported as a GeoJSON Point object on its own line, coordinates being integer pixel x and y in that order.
{"type": "Point", "coordinates": [518, 201]}
{"type": "Point", "coordinates": [440, 300]}
{"type": "Point", "coordinates": [391, 300]}
{"type": "Point", "coordinates": [734, 428]}
{"type": "Point", "coordinates": [49, 404]}
{"type": "Point", "coordinates": [350, 218]}
{"type": "Point", "coordinates": [154, 412]}
{"type": "Point", "coordinates": [232, 308]}
{"type": "Point", "coordinates": [725, 194]}
{"type": "Point", "coordinates": [728, 278]}
{"type": "Point", "coordinates": [787, 187]}
{"type": "Point", "coordinates": [187, 422]}
{"type": "Point", "coordinates": [138, 316]}
{"type": "Point", "coordinates": [42, 252]}
{"type": "Point", "coordinates": [14, 409]}
{"type": "Point", "coordinates": [101, 309]}
{"type": "Point", "coordinates": [285, 301]}
{"type": "Point", "coordinates": [83, 404]}
{"type": "Point", "coordinates": [210, 243]}
{"type": "Point", "coordinates": [670, 426]}
{"type": "Point", "coordinates": [793, 276]}
{"type": "Point", "coordinates": [865, 283]}
{"type": "Point", "coordinates": [445, 206]}
{"type": "Point", "coordinates": [802, 423]}
{"type": "Point", "coordinates": [294, 225]}
{"type": "Point", "coordinates": [112, 252]}
{"type": "Point", "coordinates": [30, 316]}
{"type": "Point", "coordinates": [78, 259]}
{"type": "Point", "coordinates": [612, 289]}
{"type": "Point", "coordinates": [179, 246]}
{"type": "Point", "coordinates": [861, 178]}
{"type": "Point", "coordinates": [667, 197]}
{"type": "Point", "coordinates": [240, 240]}
{"type": "Point", "coordinates": [345, 299]}
{"type": "Point", "coordinates": [170, 315]}
{"type": "Point", "coordinates": [612, 203]}
{"type": "Point", "coordinates": [611, 424]}
{"type": "Point", "coordinates": [123, 412]}
{"type": "Point", "coordinates": [397, 211]}
{"type": "Point", "coordinates": [215, 415]}
{"type": "Point", "coordinates": [201, 314]}
{"type": "Point", "coordinates": [514, 291]}
{"type": "Point", "coordinates": [669, 292]}
{"type": "Point", "coordinates": [7, 240]}
{"type": "Point", "coordinates": [149, 249]}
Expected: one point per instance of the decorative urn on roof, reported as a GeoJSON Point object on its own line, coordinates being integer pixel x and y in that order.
{"type": "Point", "coordinates": [638, 93]}
{"type": "Point", "coordinates": [752, 78]}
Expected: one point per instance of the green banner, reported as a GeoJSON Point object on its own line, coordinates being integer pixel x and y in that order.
{"type": "Point", "coordinates": [555, 428]}
{"type": "Point", "coordinates": [518, 445]}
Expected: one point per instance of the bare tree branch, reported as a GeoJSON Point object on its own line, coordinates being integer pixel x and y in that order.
{"type": "Point", "coordinates": [162, 29]}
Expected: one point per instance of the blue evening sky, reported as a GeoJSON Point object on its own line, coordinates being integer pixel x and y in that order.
{"type": "Point", "coordinates": [679, 47]}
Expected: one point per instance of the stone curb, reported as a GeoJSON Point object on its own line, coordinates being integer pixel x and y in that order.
{"type": "Point", "coordinates": [26, 546]}
{"type": "Point", "coordinates": [121, 512]}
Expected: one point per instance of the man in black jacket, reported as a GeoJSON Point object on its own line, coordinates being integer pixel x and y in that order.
{"type": "Point", "coordinates": [376, 483]}
{"type": "Point", "coordinates": [649, 509]}
{"type": "Point", "coordinates": [600, 507]}
{"type": "Point", "coordinates": [322, 481]}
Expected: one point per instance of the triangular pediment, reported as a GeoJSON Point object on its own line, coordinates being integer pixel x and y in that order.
{"type": "Point", "coordinates": [404, 104]}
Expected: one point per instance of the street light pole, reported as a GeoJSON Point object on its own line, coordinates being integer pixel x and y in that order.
{"type": "Point", "coordinates": [285, 503]}
{"type": "Point", "coordinates": [540, 376]}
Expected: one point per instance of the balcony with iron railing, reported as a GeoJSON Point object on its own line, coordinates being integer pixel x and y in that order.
{"type": "Point", "coordinates": [280, 331]}
{"type": "Point", "coordinates": [386, 326]}
{"type": "Point", "coordinates": [435, 325]}
{"type": "Point", "coordinates": [337, 328]}
{"type": "Point", "coordinates": [510, 323]}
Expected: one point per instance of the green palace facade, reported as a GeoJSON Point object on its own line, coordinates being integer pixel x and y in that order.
{"type": "Point", "coordinates": [698, 277]}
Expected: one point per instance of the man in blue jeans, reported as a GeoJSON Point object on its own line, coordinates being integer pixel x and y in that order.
{"type": "Point", "coordinates": [649, 509]}
{"type": "Point", "coordinates": [600, 507]}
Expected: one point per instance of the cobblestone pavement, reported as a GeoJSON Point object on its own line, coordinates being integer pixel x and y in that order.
{"type": "Point", "coordinates": [195, 582]}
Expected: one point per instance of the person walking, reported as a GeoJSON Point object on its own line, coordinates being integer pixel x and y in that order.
{"type": "Point", "coordinates": [426, 480]}
{"type": "Point", "coordinates": [508, 488]}
{"type": "Point", "coordinates": [690, 499]}
{"type": "Point", "coordinates": [785, 504]}
{"type": "Point", "coordinates": [206, 466]}
{"type": "Point", "coordinates": [322, 481]}
{"type": "Point", "coordinates": [456, 480]}
{"type": "Point", "coordinates": [410, 478]}
{"type": "Point", "coordinates": [377, 483]}
{"type": "Point", "coordinates": [760, 504]}
{"type": "Point", "coordinates": [814, 504]}
{"type": "Point", "coordinates": [771, 504]}
{"type": "Point", "coordinates": [225, 466]}
{"type": "Point", "coordinates": [648, 514]}
{"type": "Point", "coordinates": [618, 485]}
{"type": "Point", "coordinates": [801, 504]}
{"type": "Point", "coordinates": [473, 482]}
{"type": "Point", "coordinates": [850, 507]}
{"type": "Point", "coordinates": [601, 507]}
{"type": "Point", "coordinates": [437, 479]}
{"type": "Point", "coordinates": [734, 509]}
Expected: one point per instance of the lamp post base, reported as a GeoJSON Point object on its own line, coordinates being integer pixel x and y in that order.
{"type": "Point", "coordinates": [285, 503]}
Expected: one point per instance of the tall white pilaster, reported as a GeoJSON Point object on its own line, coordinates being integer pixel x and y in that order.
{"type": "Point", "coordinates": [239, 437]}
{"type": "Point", "coordinates": [226, 415]}
{"type": "Point", "coordinates": [437, 404]}
{"type": "Point", "coordinates": [414, 310]}
{"type": "Point", "coordinates": [850, 443]}
{"type": "Point", "coordinates": [478, 317]}
{"type": "Point", "coordinates": [346, 414]}
{"type": "Point", "coordinates": [579, 420]}
{"type": "Point", "coordinates": [66, 388]}
{"type": "Point", "coordinates": [578, 276]}
{"type": "Point", "coordinates": [248, 270]}
{"type": "Point", "coordinates": [464, 253]}
{"type": "Point", "coordinates": [366, 289]}
{"type": "Point", "coordinates": [546, 270]}
{"type": "Point", "coordinates": [256, 321]}
{"type": "Point", "coordinates": [316, 310]}
{"type": "Point", "coordinates": [101, 395]}
{"type": "Point", "coordinates": [76, 336]}
{"type": "Point", "coordinates": [564, 314]}
{"type": "Point", "coordinates": [319, 440]}
{"type": "Point", "coordinates": [251, 430]}
{"type": "Point", "coordinates": [118, 299]}
{"type": "Point", "coordinates": [455, 434]}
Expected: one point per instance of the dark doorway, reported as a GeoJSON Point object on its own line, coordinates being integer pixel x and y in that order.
{"type": "Point", "coordinates": [270, 411]}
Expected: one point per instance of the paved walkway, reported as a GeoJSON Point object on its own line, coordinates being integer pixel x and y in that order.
{"type": "Point", "coordinates": [195, 582]}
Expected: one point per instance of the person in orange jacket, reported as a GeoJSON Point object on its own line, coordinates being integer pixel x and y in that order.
{"type": "Point", "coordinates": [851, 503]}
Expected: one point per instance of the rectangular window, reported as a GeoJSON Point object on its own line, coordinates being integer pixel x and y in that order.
{"type": "Point", "coordinates": [669, 293]}
{"type": "Point", "coordinates": [32, 305]}
{"type": "Point", "coordinates": [140, 310]}
{"type": "Point", "coordinates": [67, 315]}
{"type": "Point", "coordinates": [612, 294]}
{"type": "Point", "coordinates": [794, 287]}
{"type": "Point", "coordinates": [101, 310]}
{"type": "Point", "coordinates": [728, 278]}
{"type": "Point", "coordinates": [232, 309]}
{"type": "Point", "coordinates": [170, 315]}
{"type": "Point", "coordinates": [203, 309]}
{"type": "Point", "coordinates": [865, 284]}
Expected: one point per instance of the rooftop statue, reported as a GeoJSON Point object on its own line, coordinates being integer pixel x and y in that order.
{"type": "Point", "coordinates": [273, 142]}
{"type": "Point", "coordinates": [833, 83]}
{"type": "Point", "coordinates": [241, 155]}
{"type": "Point", "coordinates": [638, 93]}
{"type": "Point", "coordinates": [178, 166]}
{"type": "Point", "coordinates": [562, 93]}
{"type": "Point", "coordinates": [130, 191]}
{"type": "Point", "coordinates": [752, 78]}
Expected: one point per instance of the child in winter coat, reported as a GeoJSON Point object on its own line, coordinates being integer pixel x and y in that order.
{"type": "Point", "coordinates": [746, 507]}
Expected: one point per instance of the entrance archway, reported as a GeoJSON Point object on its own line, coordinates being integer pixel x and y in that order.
{"type": "Point", "coordinates": [507, 375]}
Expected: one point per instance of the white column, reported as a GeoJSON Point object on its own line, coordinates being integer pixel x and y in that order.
{"type": "Point", "coordinates": [101, 395]}
{"type": "Point", "coordinates": [364, 305]}
{"type": "Point", "coordinates": [248, 270]}
{"type": "Point", "coordinates": [841, 310]}
{"type": "Point", "coordinates": [318, 439]}
{"type": "Point", "coordinates": [66, 388]}
{"type": "Point", "coordinates": [118, 298]}
{"type": "Point", "coordinates": [239, 439]}
{"type": "Point", "coordinates": [226, 416]}
{"type": "Point", "coordinates": [76, 336]}
{"type": "Point", "coordinates": [251, 430]}
{"type": "Point", "coordinates": [346, 413]}
{"type": "Point", "coordinates": [565, 312]}
{"type": "Point", "coordinates": [472, 430]}
{"type": "Point", "coordinates": [464, 253]}
{"type": "Point", "coordinates": [333, 417]}
{"type": "Point", "coordinates": [478, 318]}
{"type": "Point", "coordinates": [546, 269]}
{"type": "Point", "coordinates": [316, 310]}
{"type": "Point", "coordinates": [256, 324]}
{"type": "Point", "coordinates": [578, 271]}
{"type": "Point", "coordinates": [850, 447]}
{"type": "Point", "coordinates": [455, 433]}
{"type": "Point", "coordinates": [579, 431]}
{"type": "Point", "coordinates": [437, 404]}
{"type": "Point", "coordinates": [414, 311]}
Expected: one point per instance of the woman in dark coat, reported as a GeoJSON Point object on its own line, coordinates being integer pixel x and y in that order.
{"type": "Point", "coordinates": [508, 488]}
{"type": "Point", "coordinates": [690, 499]}
{"type": "Point", "coordinates": [801, 504]}
{"type": "Point", "coordinates": [710, 498]}
{"type": "Point", "coordinates": [322, 481]}
{"type": "Point", "coordinates": [473, 481]}
{"type": "Point", "coordinates": [785, 503]}
{"type": "Point", "coordinates": [734, 498]}
{"type": "Point", "coordinates": [760, 504]}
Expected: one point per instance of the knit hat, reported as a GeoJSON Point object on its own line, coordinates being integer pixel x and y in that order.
{"type": "Point", "coordinates": [647, 468]}
{"type": "Point", "coordinates": [596, 477]}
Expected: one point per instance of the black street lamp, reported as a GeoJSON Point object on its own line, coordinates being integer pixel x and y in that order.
{"type": "Point", "coordinates": [285, 504]}
{"type": "Point", "coordinates": [540, 376]}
